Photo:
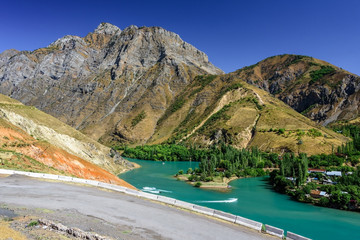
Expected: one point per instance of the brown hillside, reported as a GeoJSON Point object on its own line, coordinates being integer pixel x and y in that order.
{"type": "Point", "coordinates": [315, 88]}
{"type": "Point", "coordinates": [225, 108]}
{"type": "Point", "coordinates": [21, 151]}
{"type": "Point", "coordinates": [103, 81]}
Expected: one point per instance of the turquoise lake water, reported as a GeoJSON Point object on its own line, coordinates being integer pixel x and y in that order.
{"type": "Point", "coordinates": [255, 200]}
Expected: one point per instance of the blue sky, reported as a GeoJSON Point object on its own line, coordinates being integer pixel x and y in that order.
{"type": "Point", "coordinates": [233, 34]}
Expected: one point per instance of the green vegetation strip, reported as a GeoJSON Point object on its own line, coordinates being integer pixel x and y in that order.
{"type": "Point", "coordinates": [318, 74]}
{"type": "Point", "coordinates": [141, 116]}
{"type": "Point", "coordinates": [290, 172]}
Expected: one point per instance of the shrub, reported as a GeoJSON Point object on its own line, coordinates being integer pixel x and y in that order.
{"type": "Point", "coordinates": [318, 74]}
{"type": "Point", "coordinates": [314, 133]}
{"type": "Point", "coordinates": [191, 178]}
{"type": "Point", "coordinates": [228, 174]}
{"type": "Point", "coordinates": [138, 118]}
{"type": "Point", "coordinates": [33, 223]}
{"type": "Point", "coordinates": [324, 202]}
{"type": "Point", "coordinates": [208, 179]}
{"type": "Point", "coordinates": [177, 104]}
{"type": "Point", "coordinates": [198, 184]}
{"type": "Point", "coordinates": [281, 131]}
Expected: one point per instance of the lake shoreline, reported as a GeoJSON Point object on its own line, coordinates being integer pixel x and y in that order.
{"type": "Point", "coordinates": [255, 200]}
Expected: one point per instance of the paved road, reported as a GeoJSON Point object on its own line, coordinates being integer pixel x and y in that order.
{"type": "Point", "coordinates": [118, 208]}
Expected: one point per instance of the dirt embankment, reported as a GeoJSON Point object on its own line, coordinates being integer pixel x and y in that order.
{"type": "Point", "coordinates": [23, 152]}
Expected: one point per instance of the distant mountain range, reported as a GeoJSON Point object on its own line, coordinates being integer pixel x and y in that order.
{"type": "Point", "coordinates": [146, 85]}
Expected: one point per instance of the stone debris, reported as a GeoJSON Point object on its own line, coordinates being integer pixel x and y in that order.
{"type": "Point", "coordinates": [75, 232]}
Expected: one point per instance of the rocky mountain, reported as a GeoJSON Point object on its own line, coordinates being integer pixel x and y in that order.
{"type": "Point", "coordinates": [33, 140]}
{"type": "Point", "coordinates": [319, 90]}
{"type": "Point", "coordinates": [215, 109]}
{"type": "Point", "coordinates": [101, 83]}
{"type": "Point", "coordinates": [146, 85]}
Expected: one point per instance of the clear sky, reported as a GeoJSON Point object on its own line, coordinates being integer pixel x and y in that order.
{"type": "Point", "coordinates": [233, 34]}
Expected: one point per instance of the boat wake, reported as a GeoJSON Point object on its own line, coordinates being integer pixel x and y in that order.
{"type": "Point", "coordinates": [154, 190]}
{"type": "Point", "coordinates": [230, 200]}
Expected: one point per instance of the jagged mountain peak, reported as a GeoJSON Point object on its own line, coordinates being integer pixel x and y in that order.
{"type": "Point", "coordinates": [131, 27]}
{"type": "Point", "coordinates": [142, 85]}
{"type": "Point", "coordinates": [11, 51]}
{"type": "Point", "coordinates": [67, 40]}
{"type": "Point", "coordinates": [6, 55]}
{"type": "Point", "coordinates": [151, 45]}
{"type": "Point", "coordinates": [107, 28]}
{"type": "Point", "coordinates": [96, 83]}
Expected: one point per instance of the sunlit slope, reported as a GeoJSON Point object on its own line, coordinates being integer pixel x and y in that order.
{"type": "Point", "coordinates": [34, 141]}
{"type": "Point", "coordinates": [319, 90]}
{"type": "Point", "coordinates": [224, 108]}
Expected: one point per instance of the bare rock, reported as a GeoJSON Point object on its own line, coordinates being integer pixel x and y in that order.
{"type": "Point", "coordinates": [95, 83]}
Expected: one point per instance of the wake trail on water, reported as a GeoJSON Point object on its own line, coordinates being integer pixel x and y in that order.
{"type": "Point", "coordinates": [154, 190]}
{"type": "Point", "coordinates": [230, 200]}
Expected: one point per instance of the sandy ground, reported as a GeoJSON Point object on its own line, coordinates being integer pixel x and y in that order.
{"type": "Point", "coordinates": [106, 213]}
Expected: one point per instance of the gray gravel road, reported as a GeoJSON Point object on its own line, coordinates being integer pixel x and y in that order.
{"type": "Point", "coordinates": [148, 219]}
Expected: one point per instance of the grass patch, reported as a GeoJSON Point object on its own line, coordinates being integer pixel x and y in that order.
{"type": "Point", "coordinates": [230, 88]}
{"type": "Point", "coordinates": [306, 111]}
{"type": "Point", "coordinates": [314, 133]}
{"type": "Point", "coordinates": [198, 184]}
{"type": "Point", "coordinates": [141, 116]}
{"type": "Point", "coordinates": [217, 116]}
{"type": "Point", "coordinates": [318, 74]}
{"type": "Point", "coordinates": [202, 81]}
{"type": "Point", "coordinates": [33, 223]}
{"type": "Point", "coordinates": [179, 102]}
{"type": "Point", "coordinates": [296, 59]}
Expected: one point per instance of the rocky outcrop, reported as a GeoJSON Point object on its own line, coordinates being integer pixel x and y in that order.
{"type": "Point", "coordinates": [328, 104]}
{"type": "Point", "coordinates": [100, 82]}
{"type": "Point", "coordinates": [327, 97]}
{"type": "Point", "coordinates": [73, 232]}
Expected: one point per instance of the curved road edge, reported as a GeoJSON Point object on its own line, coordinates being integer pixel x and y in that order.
{"type": "Point", "coordinates": [169, 201]}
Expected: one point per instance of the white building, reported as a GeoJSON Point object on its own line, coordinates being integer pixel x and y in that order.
{"type": "Point", "coordinates": [334, 173]}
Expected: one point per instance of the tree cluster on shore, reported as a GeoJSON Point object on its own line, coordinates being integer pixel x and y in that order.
{"type": "Point", "coordinates": [291, 171]}
{"type": "Point", "coordinates": [342, 192]}
{"type": "Point", "coordinates": [218, 159]}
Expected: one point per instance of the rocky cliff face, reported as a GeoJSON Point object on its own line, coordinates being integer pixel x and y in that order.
{"type": "Point", "coordinates": [103, 82]}
{"type": "Point", "coordinates": [319, 90]}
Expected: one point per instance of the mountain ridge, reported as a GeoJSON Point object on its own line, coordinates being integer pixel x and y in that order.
{"type": "Point", "coordinates": [124, 86]}
{"type": "Point", "coordinates": [229, 110]}
{"type": "Point", "coordinates": [104, 71]}
{"type": "Point", "coordinates": [321, 91]}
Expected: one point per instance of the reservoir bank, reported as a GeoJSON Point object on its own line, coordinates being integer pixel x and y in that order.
{"type": "Point", "coordinates": [251, 198]}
